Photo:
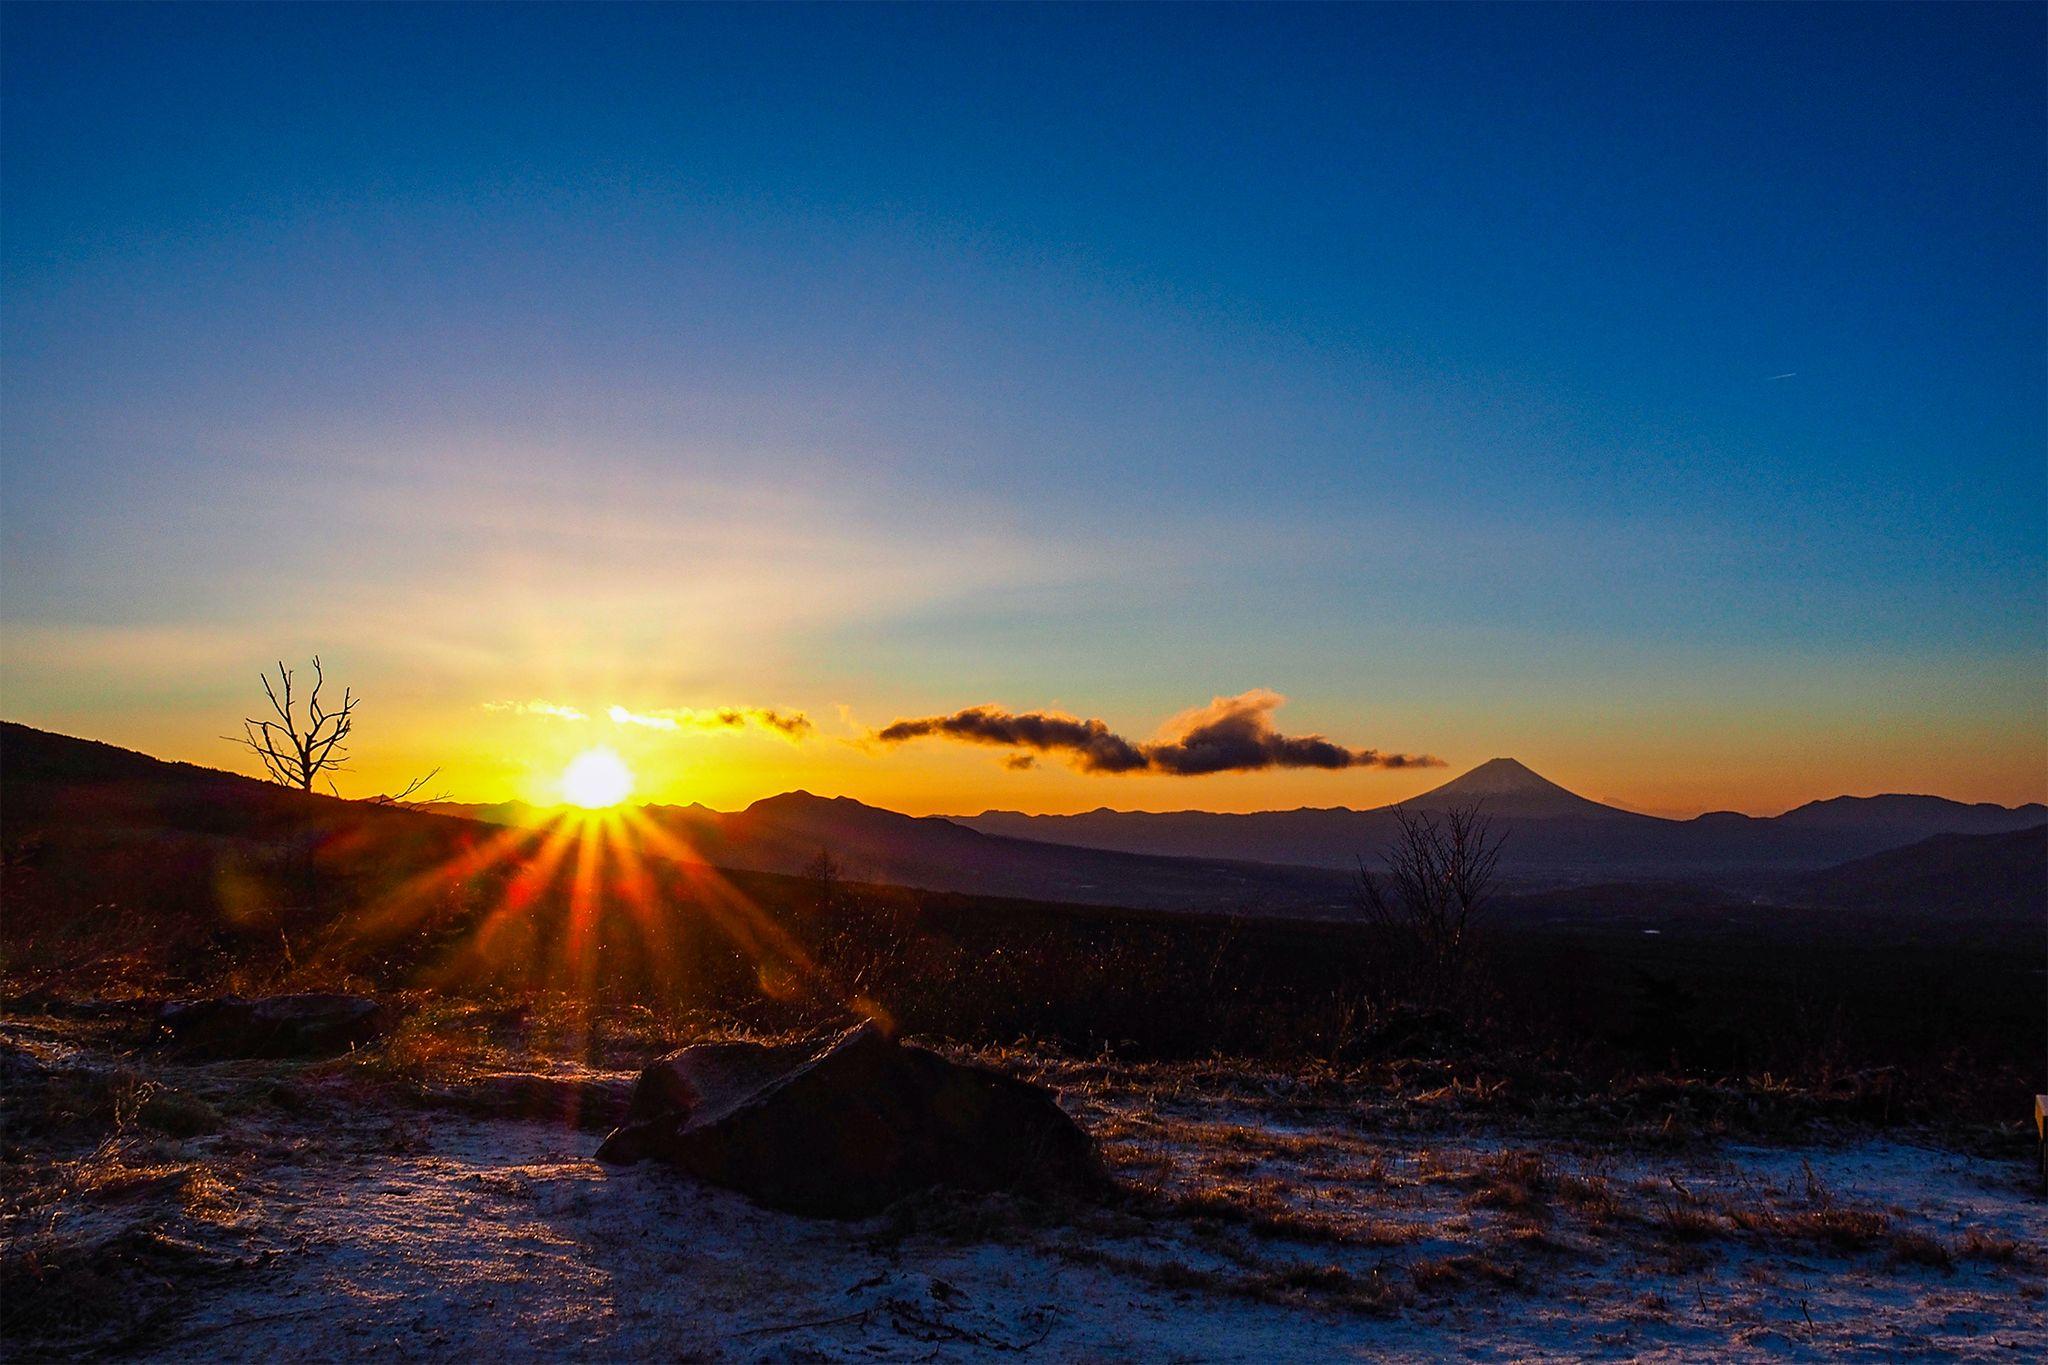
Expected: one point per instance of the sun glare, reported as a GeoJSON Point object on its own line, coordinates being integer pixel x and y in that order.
{"type": "Point", "coordinates": [596, 778]}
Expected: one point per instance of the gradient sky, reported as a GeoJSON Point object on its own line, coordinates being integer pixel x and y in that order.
{"type": "Point", "coordinates": [1655, 394]}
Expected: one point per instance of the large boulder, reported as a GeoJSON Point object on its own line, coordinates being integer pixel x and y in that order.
{"type": "Point", "coordinates": [843, 1127]}
{"type": "Point", "coordinates": [312, 1025]}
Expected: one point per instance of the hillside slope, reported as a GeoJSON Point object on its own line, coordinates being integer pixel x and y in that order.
{"type": "Point", "coordinates": [49, 780]}
{"type": "Point", "coordinates": [1993, 876]}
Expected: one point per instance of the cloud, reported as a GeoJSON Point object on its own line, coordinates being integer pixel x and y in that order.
{"type": "Point", "coordinates": [1230, 734]}
{"type": "Point", "coordinates": [1092, 745]}
{"type": "Point", "coordinates": [1018, 763]}
{"type": "Point", "coordinates": [793, 725]}
{"type": "Point", "coordinates": [536, 708]}
{"type": "Point", "coordinates": [1236, 734]}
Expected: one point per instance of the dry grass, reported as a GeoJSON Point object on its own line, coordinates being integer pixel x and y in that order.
{"type": "Point", "coordinates": [55, 1102]}
{"type": "Point", "coordinates": [1681, 1222]}
{"type": "Point", "coordinates": [103, 1248]}
{"type": "Point", "coordinates": [1526, 1206]}
{"type": "Point", "coordinates": [1979, 1245]}
{"type": "Point", "coordinates": [432, 1045]}
{"type": "Point", "coordinates": [1270, 1209]}
{"type": "Point", "coordinates": [1830, 1226]}
{"type": "Point", "coordinates": [1591, 1196]}
{"type": "Point", "coordinates": [1440, 1274]}
{"type": "Point", "coordinates": [1518, 1182]}
{"type": "Point", "coordinates": [77, 1296]}
{"type": "Point", "coordinates": [1917, 1248]}
{"type": "Point", "coordinates": [107, 1218]}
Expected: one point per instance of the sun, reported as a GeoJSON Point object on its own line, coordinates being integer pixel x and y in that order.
{"type": "Point", "coordinates": [596, 778]}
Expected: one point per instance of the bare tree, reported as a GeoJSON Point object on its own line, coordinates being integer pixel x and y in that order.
{"type": "Point", "coordinates": [299, 747]}
{"type": "Point", "coordinates": [1436, 878]}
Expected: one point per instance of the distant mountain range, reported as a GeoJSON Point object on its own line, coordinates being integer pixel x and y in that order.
{"type": "Point", "coordinates": [786, 833]}
{"type": "Point", "coordinates": [1552, 835]}
{"type": "Point", "coordinates": [1299, 858]}
{"type": "Point", "coordinates": [1291, 862]}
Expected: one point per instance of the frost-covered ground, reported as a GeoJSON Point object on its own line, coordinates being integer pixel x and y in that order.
{"type": "Point", "coordinates": [505, 1239]}
{"type": "Point", "coordinates": [1257, 1230]}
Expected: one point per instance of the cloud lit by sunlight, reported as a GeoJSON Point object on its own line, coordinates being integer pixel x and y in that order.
{"type": "Point", "coordinates": [537, 708]}
{"type": "Point", "coordinates": [793, 725]}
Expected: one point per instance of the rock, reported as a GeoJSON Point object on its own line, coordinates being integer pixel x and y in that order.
{"type": "Point", "coordinates": [844, 1127]}
{"type": "Point", "coordinates": [314, 1025]}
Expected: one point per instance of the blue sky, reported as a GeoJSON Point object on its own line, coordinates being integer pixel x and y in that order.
{"type": "Point", "coordinates": [1653, 392]}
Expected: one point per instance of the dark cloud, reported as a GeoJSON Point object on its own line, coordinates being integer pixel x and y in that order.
{"type": "Point", "coordinates": [1230, 734]}
{"type": "Point", "coordinates": [1093, 746]}
{"type": "Point", "coordinates": [1018, 763]}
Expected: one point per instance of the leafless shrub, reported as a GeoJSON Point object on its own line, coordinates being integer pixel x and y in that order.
{"type": "Point", "coordinates": [1434, 881]}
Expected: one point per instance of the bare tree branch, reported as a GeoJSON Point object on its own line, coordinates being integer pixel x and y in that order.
{"type": "Point", "coordinates": [296, 752]}
{"type": "Point", "coordinates": [409, 795]}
